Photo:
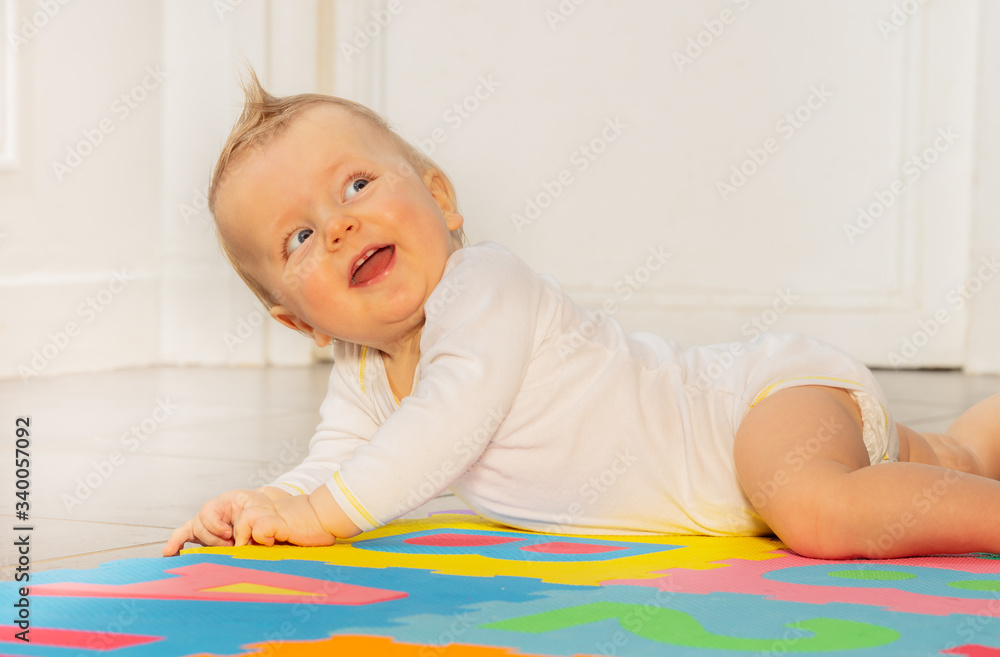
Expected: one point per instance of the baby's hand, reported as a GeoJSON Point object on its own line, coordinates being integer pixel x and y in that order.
{"type": "Point", "coordinates": [288, 520]}
{"type": "Point", "coordinates": [213, 524]}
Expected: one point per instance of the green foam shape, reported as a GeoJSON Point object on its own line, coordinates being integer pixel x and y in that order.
{"type": "Point", "coordinates": [976, 585]}
{"type": "Point", "coordinates": [879, 575]}
{"type": "Point", "coordinates": [681, 629]}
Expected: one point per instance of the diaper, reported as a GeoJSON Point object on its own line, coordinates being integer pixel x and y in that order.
{"type": "Point", "coordinates": [776, 361]}
{"type": "Point", "coordinates": [878, 428]}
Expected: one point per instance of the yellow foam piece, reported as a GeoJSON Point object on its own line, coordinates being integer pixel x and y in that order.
{"type": "Point", "coordinates": [247, 587]}
{"type": "Point", "coordinates": [692, 552]}
{"type": "Point", "coordinates": [371, 645]}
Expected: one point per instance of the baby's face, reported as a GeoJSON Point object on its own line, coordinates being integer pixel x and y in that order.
{"type": "Point", "coordinates": [332, 220]}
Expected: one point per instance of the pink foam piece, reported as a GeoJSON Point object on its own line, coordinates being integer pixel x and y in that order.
{"type": "Point", "coordinates": [565, 547]}
{"type": "Point", "coordinates": [460, 540]}
{"type": "Point", "coordinates": [970, 650]}
{"type": "Point", "coordinates": [58, 638]}
{"type": "Point", "coordinates": [742, 576]}
{"type": "Point", "coordinates": [194, 579]}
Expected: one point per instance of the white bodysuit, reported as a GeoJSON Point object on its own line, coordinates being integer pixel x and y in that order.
{"type": "Point", "coordinates": [542, 417]}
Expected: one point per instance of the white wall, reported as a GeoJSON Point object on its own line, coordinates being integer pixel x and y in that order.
{"type": "Point", "coordinates": [984, 347]}
{"type": "Point", "coordinates": [697, 88]}
{"type": "Point", "coordinates": [69, 234]}
{"type": "Point", "coordinates": [135, 203]}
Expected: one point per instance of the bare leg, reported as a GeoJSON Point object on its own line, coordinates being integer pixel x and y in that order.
{"type": "Point", "coordinates": [802, 462]}
{"type": "Point", "coordinates": [971, 444]}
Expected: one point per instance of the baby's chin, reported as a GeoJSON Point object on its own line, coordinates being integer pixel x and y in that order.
{"type": "Point", "coordinates": [397, 325]}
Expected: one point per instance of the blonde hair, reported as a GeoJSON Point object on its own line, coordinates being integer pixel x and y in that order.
{"type": "Point", "coordinates": [266, 116]}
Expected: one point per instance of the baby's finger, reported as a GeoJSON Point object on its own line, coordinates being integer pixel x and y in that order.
{"type": "Point", "coordinates": [178, 538]}
{"type": "Point", "coordinates": [242, 528]}
{"type": "Point", "coordinates": [207, 537]}
{"type": "Point", "coordinates": [264, 530]}
{"type": "Point", "coordinates": [215, 518]}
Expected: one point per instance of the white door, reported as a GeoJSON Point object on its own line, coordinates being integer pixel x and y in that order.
{"type": "Point", "coordinates": [704, 170]}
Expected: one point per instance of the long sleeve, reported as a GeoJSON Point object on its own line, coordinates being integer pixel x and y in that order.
{"type": "Point", "coordinates": [481, 329]}
{"type": "Point", "coordinates": [348, 421]}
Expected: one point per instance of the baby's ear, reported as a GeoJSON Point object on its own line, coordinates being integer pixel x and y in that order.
{"type": "Point", "coordinates": [444, 195]}
{"type": "Point", "coordinates": [292, 321]}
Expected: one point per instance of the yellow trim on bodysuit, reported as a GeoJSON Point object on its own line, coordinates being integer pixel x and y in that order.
{"type": "Point", "coordinates": [353, 500]}
{"type": "Point", "coordinates": [364, 356]}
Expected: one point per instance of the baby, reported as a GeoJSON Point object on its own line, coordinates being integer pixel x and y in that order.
{"type": "Point", "coordinates": [459, 367]}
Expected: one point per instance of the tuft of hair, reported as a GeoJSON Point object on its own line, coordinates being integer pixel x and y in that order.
{"type": "Point", "coordinates": [265, 117]}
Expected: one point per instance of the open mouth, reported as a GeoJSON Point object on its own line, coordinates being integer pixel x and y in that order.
{"type": "Point", "coordinates": [371, 265]}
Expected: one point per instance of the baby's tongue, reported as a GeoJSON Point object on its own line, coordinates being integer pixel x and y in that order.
{"type": "Point", "coordinates": [373, 266]}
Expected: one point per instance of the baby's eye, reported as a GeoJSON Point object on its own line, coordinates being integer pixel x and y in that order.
{"type": "Point", "coordinates": [297, 238]}
{"type": "Point", "coordinates": [356, 186]}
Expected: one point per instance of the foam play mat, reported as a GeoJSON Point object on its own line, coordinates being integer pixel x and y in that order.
{"type": "Point", "coordinates": [456, 585]}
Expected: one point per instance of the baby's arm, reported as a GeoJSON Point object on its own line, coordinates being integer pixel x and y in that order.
{"type": "Point", "coordinates": [310, 515]}
{"type": "Point", "coordinates": [310, 520]}
{"type": "Point", "coordinates": [213, 524]}
{"type": "Point", "coordinates": [484, 321]}
{"type": "Point", "coordinates": [346, 424]}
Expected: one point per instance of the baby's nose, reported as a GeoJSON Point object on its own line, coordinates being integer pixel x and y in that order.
{"type": "Point", "coordinates": [336, 229]}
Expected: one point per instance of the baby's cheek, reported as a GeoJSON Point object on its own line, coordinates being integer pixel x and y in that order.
{"type": "Point", "coordinates": [309, 267]}
{"type": "Point", "coordinates": [304, 278]}
{"type": "Point", "coordinates": [317, 293]}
